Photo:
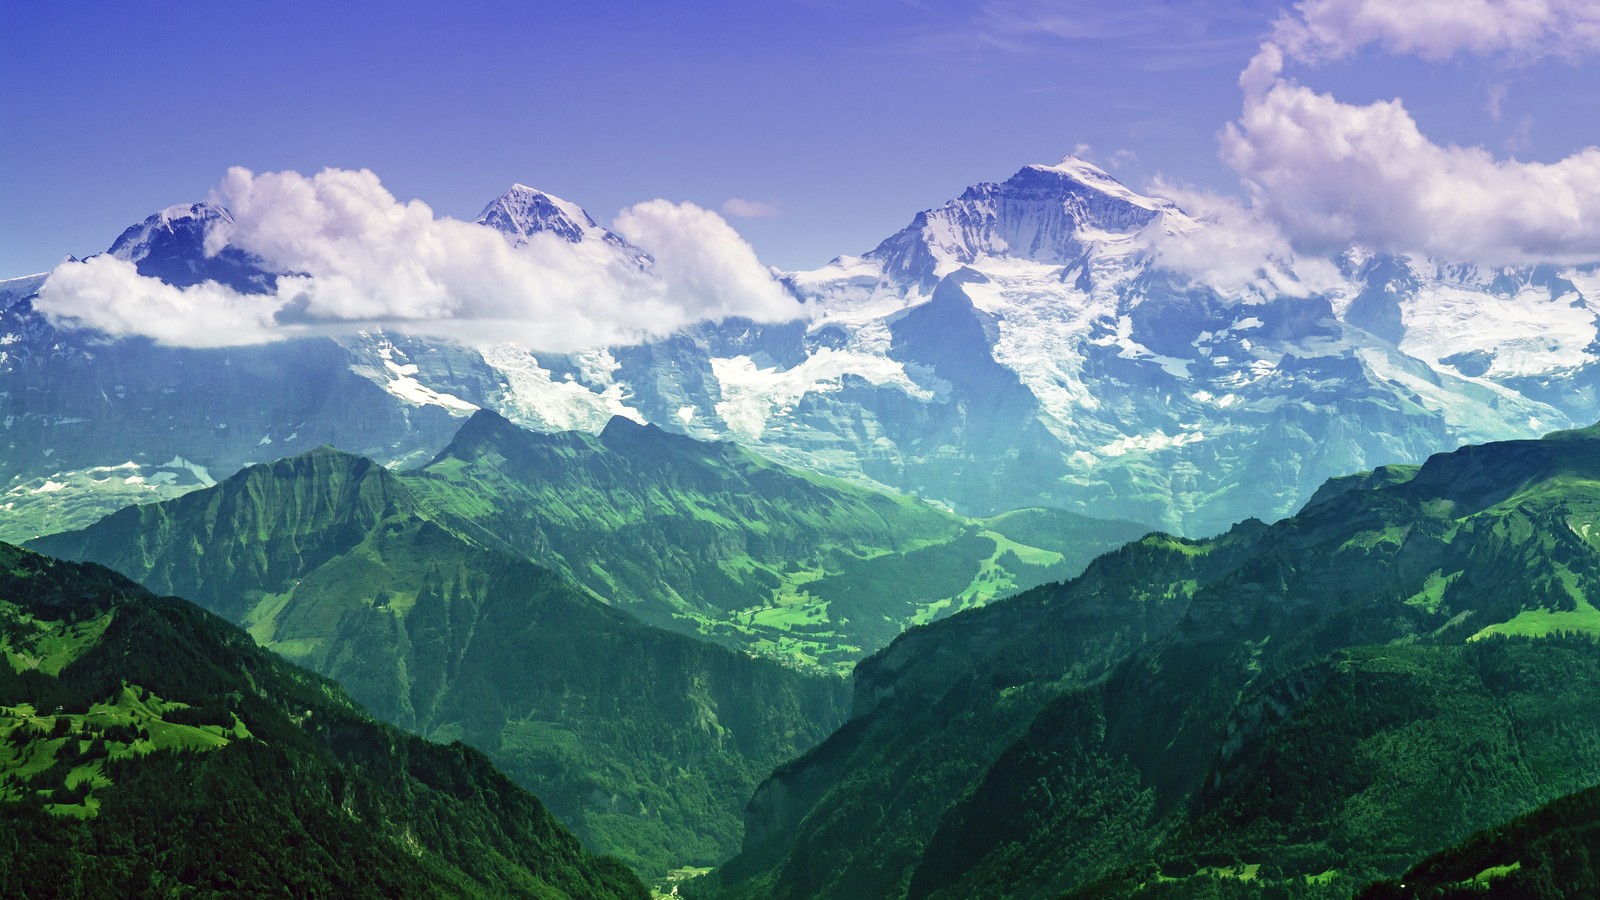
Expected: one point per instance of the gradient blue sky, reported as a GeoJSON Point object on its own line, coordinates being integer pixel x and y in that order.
{"type": "Point", "coordinates": [846, 117]}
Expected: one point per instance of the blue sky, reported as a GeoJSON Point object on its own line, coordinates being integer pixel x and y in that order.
{"type": "Point", "coordinates": [842, 118]}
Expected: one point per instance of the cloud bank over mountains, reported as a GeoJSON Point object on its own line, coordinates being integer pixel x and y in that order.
{"type": "Point", "coordinates": [1331, 173]}
{"type": "Point", "coordinates": [1318, 175]}
{"type": "Point", "coordinates": [356, 257]}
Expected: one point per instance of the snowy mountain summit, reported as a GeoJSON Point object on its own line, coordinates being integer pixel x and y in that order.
{"type": "Point", "coordinates": [182, 222]}
{"type": "Point", "coordinates": [1050, 214]}
{"type": "Point", "coordinates": [171, 245]}
{"type": "Point", "coordinates": [1023, 344]}
{"type": "Point", "coordinates": [523, 212]}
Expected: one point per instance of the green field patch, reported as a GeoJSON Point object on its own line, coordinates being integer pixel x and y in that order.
{"type": "Point", "coordinates": [1241, 872]}
{"type": "Point", "coordinates": [790, 613]}
{"type": "Point", "coordinates": [88, 809]}
{"type": "Point", "coordinates": [45, 645]}
{"type": "Point", "coordinates": [1173, 544]}
{"type": "Point", "coordinates": [936, 610]}
{"type": "Point", "coordinates": [93, 772]}
{"type": "Point", "coordinates": [796, 633]}
{"type": "Point", "coordinates": [62, 757]}
{"type": "Point", "coordinates": [1483, 878]}
{"type": "Point", "coordinates": [1387, 538]}
{"type": "Point", "coordinates": [1029, 554]}
{"type": "Point", "coordinates": [1237, 872]}
{"type": "Point", "coordinates": [667, 887]}
{"type": "Point", "coordinates": [296, 649]}
{"type": "Point", "coordinates": [262, 619]}
{"type": "Point", "coordinates": [1433, 589]}
{"type": "Point", "coordinates": [1538, 623]}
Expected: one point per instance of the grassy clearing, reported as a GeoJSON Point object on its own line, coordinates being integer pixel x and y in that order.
{"type": "Point", "coordinates": [667, 887]}
{"type": "Point", "coordinates": [1240, 872]}
{"type": "Point", "coordinates": [1546, 622]}
{"type": "Point", "coordinates": [1388, 538]}
{"type": "Point", "coordinates": [1483, 878]}
{"type": "Point", "coordinates": [30, 643]}
{"type": "Point", "coordinates": [63, 757]}
{"type": "Point", "coordinates": [262, 619]}
{"type": "Point", "coordinates": [1583, 618]}
{"type": "Point", "coordinates": [1433, 589]}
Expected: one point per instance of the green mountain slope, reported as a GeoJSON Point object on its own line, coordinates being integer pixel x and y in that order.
{"type": "Point", "coordinates": [1293, 708]}
{"type": "Point", "coordinates": [709, 538]}
{"type": "Point", "coordinates": [1547, 854]}
{"type": "Point", "coordinates": [149, 748]}
{"type": "Point", "coordinates": [646, 742]}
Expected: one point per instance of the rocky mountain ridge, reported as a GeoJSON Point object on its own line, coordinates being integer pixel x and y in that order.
{"type": "Point", "coordinates": [1027, 343]}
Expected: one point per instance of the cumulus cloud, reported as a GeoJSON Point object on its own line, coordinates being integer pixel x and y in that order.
{"type": "Point", "coordinates": [741, 208]}
{"type": "Point", "coordinates": [355, 257]}
{"type": "Point", "coordinates": [1436, 30]}
{"type": "Point", "coordinates": [110, 295]}
{"type": "Point", "coordinates": [704, 265]}
{"type": "Point", "coordinates": [1331, 173]}
{"type": "Point", "coordinates": [1232, 248]}
{"type": "Point", "coordinates": [1226, 246]}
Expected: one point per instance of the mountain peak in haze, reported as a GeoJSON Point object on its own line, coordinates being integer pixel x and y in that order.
{"type": "Point", "coordinates": [523, 211]}
{"type": "Point", "coordinates": [1043, 213]}
{"type": "Point", "coordinates": [1086, 174]}
{"type": "Point", "coordinates": [171, 245]}
{"type": "Point", "coordinates": [135, 242]}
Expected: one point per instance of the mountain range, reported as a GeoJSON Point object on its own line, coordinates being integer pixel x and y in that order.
{"type": "Point", "coordinates": [1300, 707]}
{"type": "Point", "coordinates": [632, 577]}
{"type": "Point", "coordinates": [1032, 342]}
{"type": "Point", "coordinates": [419, 592]}
{"type": "Point", "coordinates": [646, 742]}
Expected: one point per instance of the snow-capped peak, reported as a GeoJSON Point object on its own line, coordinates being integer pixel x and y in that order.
{"type": "Point", "coordinates": [134, 244]}
{"type": "Point", "coordinates": [1045, 214]}
{"type": "Point", "coordinates": [524, 211]}
{"type": "Point", "coordinates": [1092, 176]}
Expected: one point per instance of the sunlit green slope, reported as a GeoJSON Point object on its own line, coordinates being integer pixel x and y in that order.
{"type": "Point", "coordinates": [1548, 854]}
{"type": "Point", "coordinates": [647, 742]}
{"type": "Point", "coordinates": [709, 538]}
{"type": "Point", "coordinates": [149, 748]}
{"type": "Point", "coordinates": [1287, 709]}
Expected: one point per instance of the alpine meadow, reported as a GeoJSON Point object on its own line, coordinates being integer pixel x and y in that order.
{"type": "Point", "coordinates": [1206, 505]}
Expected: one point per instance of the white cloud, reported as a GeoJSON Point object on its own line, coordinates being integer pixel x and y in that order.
{"type": "Point", "coordinates": [362, 259]}
{"type": "Point", "coordinates": [741, 208]}
{"type": "Point", "coordinates": [1225, 248]}
{"type": "Point", "coordinates": [1332, 173]}
{"type": "Point", "coordinates": [1232, 248]}
{"type": "Point", "coordinates": [1439, 29]}
{"type": "Point", "coordinates": [109, 294]}
{"type": "Point", "coordinates": [707, 270]}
